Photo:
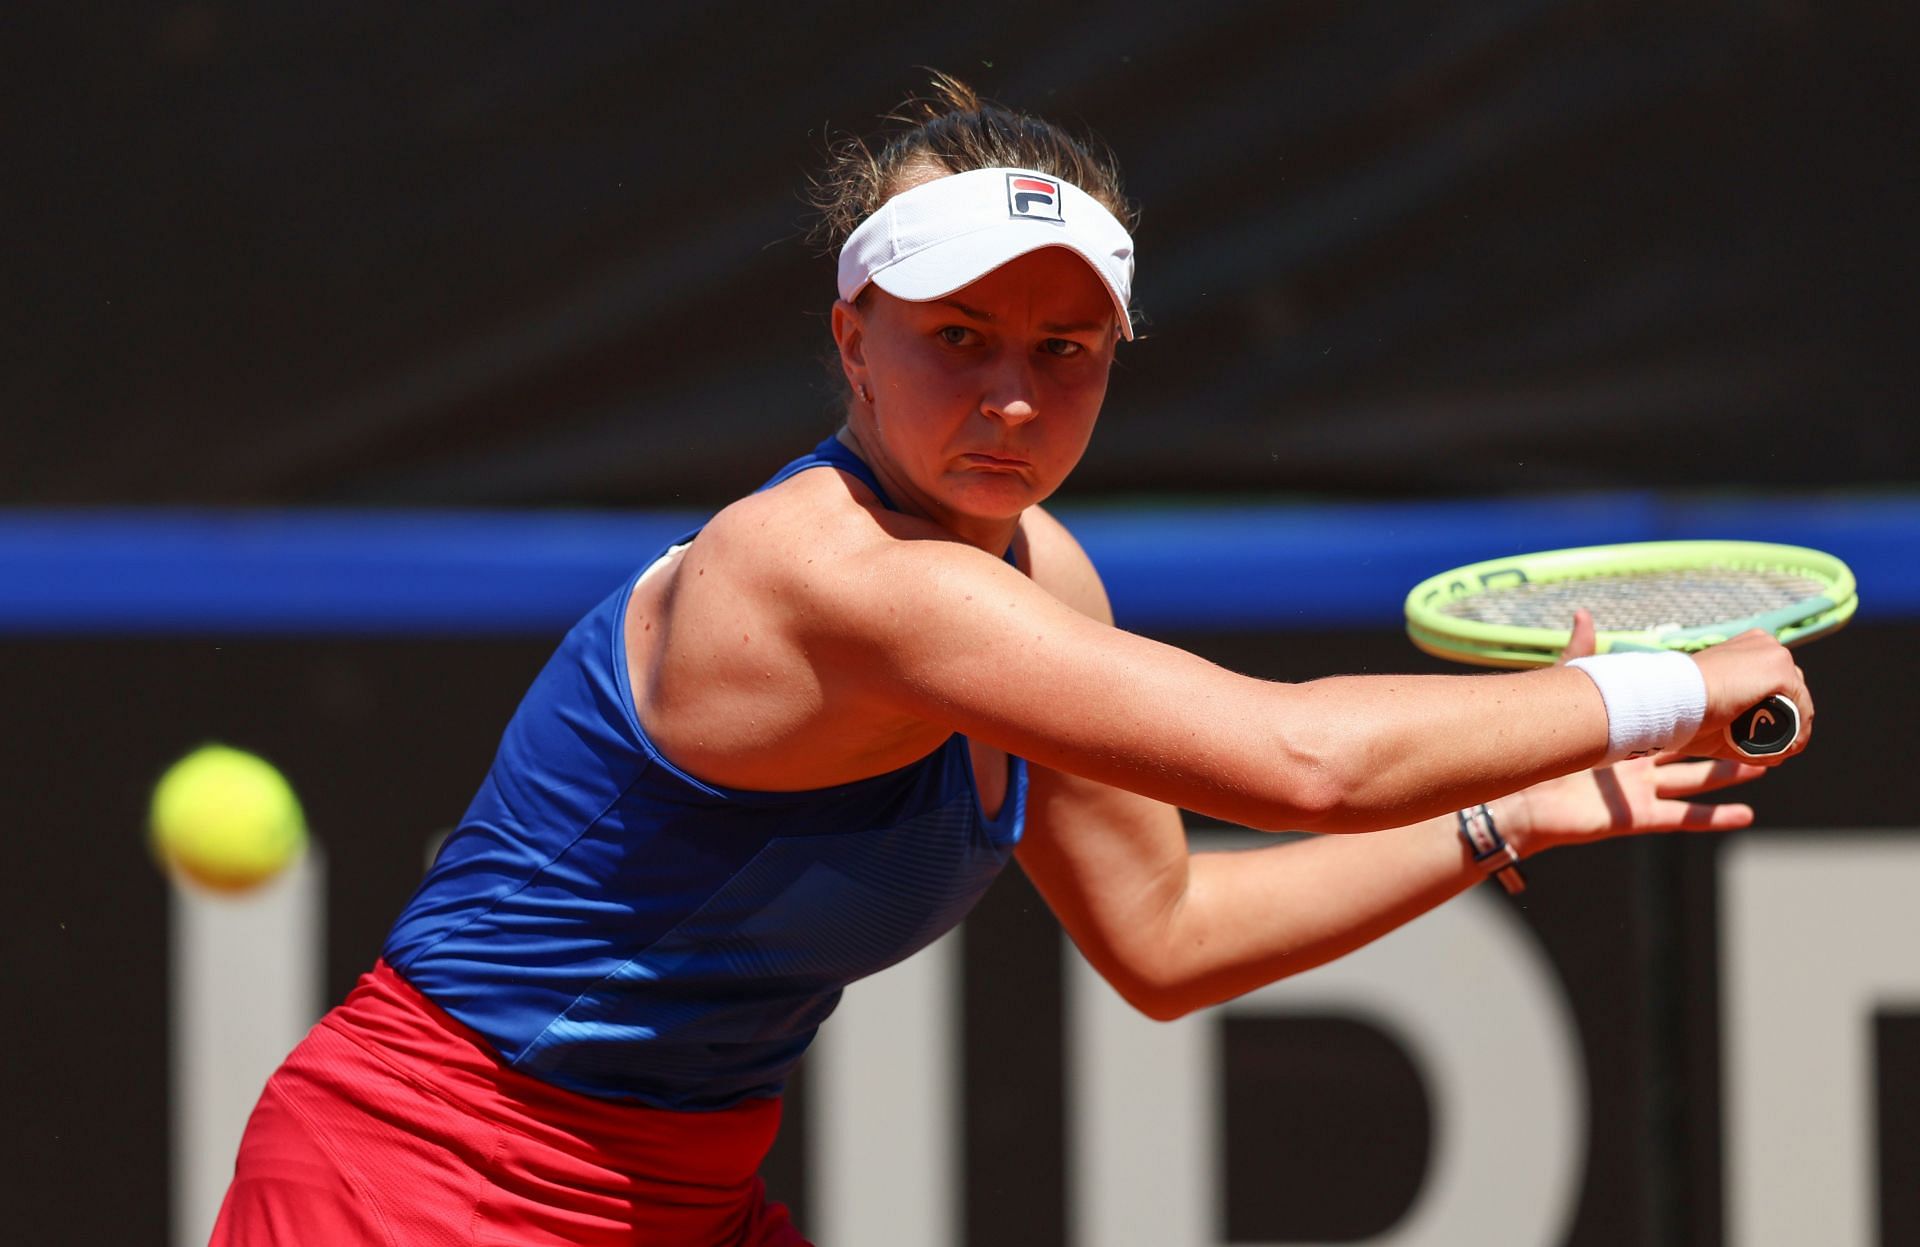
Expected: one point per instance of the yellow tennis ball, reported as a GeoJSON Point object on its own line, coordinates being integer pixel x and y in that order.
{"type": "Point", "coordinates": [226, 819]}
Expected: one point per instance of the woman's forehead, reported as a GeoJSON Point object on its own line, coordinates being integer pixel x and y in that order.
{"type": "Point", "coordinates": [1052, 284]}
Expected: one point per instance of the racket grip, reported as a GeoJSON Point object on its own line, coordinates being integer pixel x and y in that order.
{"type": "Point", "coordinates": [1766, 729]}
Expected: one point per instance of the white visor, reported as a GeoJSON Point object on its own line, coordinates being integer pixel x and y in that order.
{"type": "Point", "coordinates": [930, 241]}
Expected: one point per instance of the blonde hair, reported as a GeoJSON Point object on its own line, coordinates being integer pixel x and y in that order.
{"type": "Point", "coordinates": [953, 130]}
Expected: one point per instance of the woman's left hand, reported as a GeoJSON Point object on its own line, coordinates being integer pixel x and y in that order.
{"type": "Point", "coordinates": [1628, 798]}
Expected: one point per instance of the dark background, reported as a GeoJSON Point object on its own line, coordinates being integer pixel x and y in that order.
{"type": "Point", "coordinates": [1325, 1122]}
{"type": "Point", "coordinates": [480, 254]}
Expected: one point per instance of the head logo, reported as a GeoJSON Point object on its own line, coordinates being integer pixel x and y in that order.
{"type": "Point", "coordinates": [1033, 198]}
{"type": "Point", "coordinates": [1762, 720]}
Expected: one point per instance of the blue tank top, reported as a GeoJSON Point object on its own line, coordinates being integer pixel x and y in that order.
{"type": "Point", "coordinates": [616, 926]}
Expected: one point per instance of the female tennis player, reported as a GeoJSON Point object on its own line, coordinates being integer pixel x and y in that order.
{"type": "Point", "coordinates": [797, 746]}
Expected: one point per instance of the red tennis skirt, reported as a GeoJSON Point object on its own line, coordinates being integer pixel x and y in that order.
{"type": "Point", "coordinates": [393, 1123]}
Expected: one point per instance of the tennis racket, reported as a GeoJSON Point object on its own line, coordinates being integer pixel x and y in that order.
{"type": "Point", "coordinates": [1650, 595]}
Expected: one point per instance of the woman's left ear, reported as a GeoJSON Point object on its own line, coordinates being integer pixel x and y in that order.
{"type": "Point", "coordinates": [848, 333]}
{"type": "Point", "coordinates": [849, 336]}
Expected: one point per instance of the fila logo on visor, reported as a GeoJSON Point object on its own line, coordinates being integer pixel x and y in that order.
{"type": "Point", "coordinates": [1035, 199]}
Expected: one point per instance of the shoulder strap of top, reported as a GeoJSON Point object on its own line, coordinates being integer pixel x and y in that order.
{"type": "Point", "coordinates": [833, 453]}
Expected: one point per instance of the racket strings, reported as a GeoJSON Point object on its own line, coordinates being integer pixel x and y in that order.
{"type": "Point", "coordinates": [1640, 601]}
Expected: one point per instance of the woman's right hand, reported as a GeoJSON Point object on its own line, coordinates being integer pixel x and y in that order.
{"type": "Point", "coordinates": [1740, 674]}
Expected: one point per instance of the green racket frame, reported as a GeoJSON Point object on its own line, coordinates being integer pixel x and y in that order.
{"type": "Point", "coordinates": [1501, 645]}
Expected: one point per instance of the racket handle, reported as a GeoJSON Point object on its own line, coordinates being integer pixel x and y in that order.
{"type": "Point", "coordinates": [1765, 729]}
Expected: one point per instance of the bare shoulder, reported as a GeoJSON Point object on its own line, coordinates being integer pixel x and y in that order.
{"type": "Point", "coordinates": [822, 559]}
{"type": "Point", "coordinates": [827, 575]}
{"type": "Point", "coordinates": [1058, 564]}
{"type": "Point", "coordinates": [748, 655]}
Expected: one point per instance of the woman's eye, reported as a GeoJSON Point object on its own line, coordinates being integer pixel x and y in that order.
{"type": "Point", "coordinates": [1064, 348]}
{"type": "Point", "coordinates": [956, 335]}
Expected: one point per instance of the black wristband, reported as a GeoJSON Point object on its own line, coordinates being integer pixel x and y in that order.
{"type": "Point", "coordinates": [1490, 850]}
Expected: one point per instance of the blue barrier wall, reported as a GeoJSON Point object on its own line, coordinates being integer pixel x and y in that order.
{"type": "Point", "coordinates": [273, 573]}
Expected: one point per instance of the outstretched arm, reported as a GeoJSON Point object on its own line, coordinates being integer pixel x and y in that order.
{"type": "Point", "coordinates": [1175, 931]}
{"type": "Point", "coordinates": [941, 633]}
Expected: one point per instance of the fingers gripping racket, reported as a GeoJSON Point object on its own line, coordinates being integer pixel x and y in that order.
{"type": "Point", "coordinates": [1651, 595]}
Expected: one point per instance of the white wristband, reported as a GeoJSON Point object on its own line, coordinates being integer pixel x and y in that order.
{"type": "Point", "coordinates": [1654, 701]}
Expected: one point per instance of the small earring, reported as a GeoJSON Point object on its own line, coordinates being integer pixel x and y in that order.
{"type": "Point", "coordinates": [865, 395]}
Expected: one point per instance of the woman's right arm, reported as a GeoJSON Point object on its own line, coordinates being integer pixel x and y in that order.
{"type": "Point", "coordinates": [943, 632]}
